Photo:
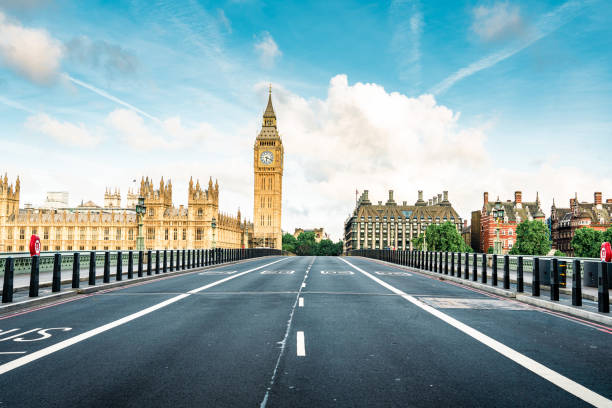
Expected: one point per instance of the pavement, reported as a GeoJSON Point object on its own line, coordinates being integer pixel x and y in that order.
{"type": "Point", "coordinates": [301, 332]}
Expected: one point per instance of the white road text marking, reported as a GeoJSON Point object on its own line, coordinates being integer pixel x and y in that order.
{"type": "Point", "coordinates": [11, 365]}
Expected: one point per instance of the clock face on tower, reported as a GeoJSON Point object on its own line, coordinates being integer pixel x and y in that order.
{"type": "Point", "coordinates": [266, 157]}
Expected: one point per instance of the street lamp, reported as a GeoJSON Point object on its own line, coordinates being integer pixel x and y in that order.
{"type": "Point", "coordinates": [213, 224]}
{"type": "Point", "coordinates": [141, 209]}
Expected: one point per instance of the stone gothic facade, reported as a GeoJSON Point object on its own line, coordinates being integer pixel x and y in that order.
{"type": "Point", "coordinates": [90, 227]}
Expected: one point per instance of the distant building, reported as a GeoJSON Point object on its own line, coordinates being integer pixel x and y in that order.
{"type": "Point", "coordinates": [565, 221]}
{"type": "Point", "coordinates": [514, 212]}
{"type": "Point", "coordinates": [466, 233]}
{"type": "Point", "coordinates": [395, 226]}
{"type": "Point", "coordinates": [56, 199]}
{"type": "Point", "coordinates": [475, 241]}
{"type": "Point", "coordinates": [318, 232]}
{"type": "Point", "coordinates": [91, 227]}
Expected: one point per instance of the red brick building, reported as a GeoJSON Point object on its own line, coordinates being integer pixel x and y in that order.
{"type": "Point", "coordinates": [565, 221]}
{"type": "Point", "coordinates": [509, 215]}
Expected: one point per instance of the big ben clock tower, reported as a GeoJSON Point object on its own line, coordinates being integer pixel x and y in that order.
{"type": "Point", "coordinates": [268, 169]}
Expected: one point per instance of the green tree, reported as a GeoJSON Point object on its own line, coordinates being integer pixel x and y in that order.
{"type": "Point", "coordinates": [606, 236]}
{"type": "Point", "coordinates": [289, 243]}
{"type": "Point", "coordinates": [326, 248]}
{"type": "Point", "coordinates": [587, 242]}
{"type": "Point", "coordinates": [306, 244]}
{"type": "Point", "coordinates": [532, 238]}
{"type": "Point", "coordinates": [559, 253]}
{"type": "Point", "coordinates": [490, 250]}
{"type": "Point", "coordinates": [339, 247]}
{"type": "Point", "coordinates": [443, 237]}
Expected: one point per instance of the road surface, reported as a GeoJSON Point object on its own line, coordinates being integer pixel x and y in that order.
{"type": "Point", "coordinates": [301, 332]}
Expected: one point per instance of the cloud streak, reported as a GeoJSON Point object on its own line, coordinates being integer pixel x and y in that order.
{"type": "Point", "coordinates": [407, 20]}
{"type": "Point", "coordinates": [547, 24]}
{"type": "Point", "coordinates": [110, 97]}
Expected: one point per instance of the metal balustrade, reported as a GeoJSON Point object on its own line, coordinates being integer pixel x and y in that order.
{"type": "Point", "coordinates": [112, 263]}
{"type": "Point", "coordinates": [591, 272]}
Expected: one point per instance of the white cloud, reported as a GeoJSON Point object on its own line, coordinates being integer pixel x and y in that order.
{"type": "Point", "coordinates": [64, 132]}
{"type": "Point", "coordinates": [498, 21]}
{"type": "Point", "coordinates": [30, 52]}
{"type": "Point", "coordinates": [267, 49]}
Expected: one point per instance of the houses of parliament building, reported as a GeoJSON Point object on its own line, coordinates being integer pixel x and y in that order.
{"type": "Point", "coordinates": [199, 225]}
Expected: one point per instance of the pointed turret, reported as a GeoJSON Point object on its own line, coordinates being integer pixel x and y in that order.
{"type": "Point", "coordinates": [269, 117]}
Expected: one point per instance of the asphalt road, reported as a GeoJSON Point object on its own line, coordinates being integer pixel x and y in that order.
{"type": "Point", "coordinates": [301, 332]}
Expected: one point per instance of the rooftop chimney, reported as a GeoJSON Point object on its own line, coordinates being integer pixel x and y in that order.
{"type": "Point", "coordinates": [429, 202]}
{"type": "Point", "coordinates": [390, 201]}
{"type": "Point", "coordinates": [439, 198]}
{"type": "Point", "coordinates": [486, 198]}
{"type": "Point", "coordinates": [434, 200]}
{"type": "Point", "coordinates": [464, 223]}
{"type": "Point", "coordinates": [518, 197]}
{"type": "Point", "coordinates": [445, 195]}
{"type": "Point", "coordinates": [404, 203]}
{"type": "Point", "coordinates": [597, 197]}
{"type": "Point", "coordinates": [609, 201]}
{"type": "Point", "coordinates": [420, 194]}
{"type": "Point", "coordinates": [572, 201]}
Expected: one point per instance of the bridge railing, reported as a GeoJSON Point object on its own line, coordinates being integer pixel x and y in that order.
{"type": "Point", "coordinates": [552, 272]}
{"type": "Point", "coordinates": [117, 263]}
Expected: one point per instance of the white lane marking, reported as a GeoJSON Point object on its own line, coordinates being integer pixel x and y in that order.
{"type": "Point", "coordinates": [301, 302]}
{"type": "Point", "coordinates": [12, 352]}
{"type": "Point", "coordinates": [283, 342]}
{"type": "Point", "coordinates": [301, 347]}
{"type": "Point", "coordinates": [554, 377]}
{"type": "Point", "coordinates": [303, 284]}
{"type": "Point", "coordinates": [11, 365]}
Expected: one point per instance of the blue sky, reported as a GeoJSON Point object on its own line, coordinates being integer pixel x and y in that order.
{"type": "Point", "coordinates": [464, 96]}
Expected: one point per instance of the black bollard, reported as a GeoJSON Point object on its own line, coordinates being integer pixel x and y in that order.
{"type": "Point", "coordinates": [92, 268]}
{"type": "Point", "coordinates": [34, 276]}
{"type": "Point", "coordinates": [76, 270]}
{"type": "Point", "coordinates": [140, 262]}
{"type": "Point", "coordinates": [494, 272]}
{"type": "Point", "coordinates": [445, 262]}
{"type": "Point", "coordinates": [519, 275]}
{"type": "Point", "coordinates": [56, 284]}
{"type": "Point", "coordinates": [149, 263]}
{"type": "Point", "coordinates": [603, 290]}
{"type": "Point", "coordinates": [188, 259]}
{"type": "Point", "coordinates": [157, 262]}
{"type": "Point", "coordinates": [576, 284]}
{"type": "Point", "coordinates": [483, 278]}
{"type": "Point", "coordinates": [206, 255]}
{"type": "Point", "coordinates": [7, 287]}
{"type": "Point", "coordinates": [458, 264]}
{"type": "Point", "coordinates": [506, 272]}
{"type": "Point", "coordinates": [183, 261]}
{"type": "Point", "coordinates": [554, 280]}
{"type": "Point", "coordinates": [119, 272]}
{"type": "Point", "coordinates": [130, 265]}
{"type": "Point", "coordinates": [106, 277]}
{"type": "Point", "coordinates": [535, 279]}
{"type": "Point", "coordinates": [171, 260]}
{"type": "Point", "coordinates": [475, 267]}
{"type": "Point", "coordinates": [452, 264]}
{"type": "Point", "coordinates": [165, 261]}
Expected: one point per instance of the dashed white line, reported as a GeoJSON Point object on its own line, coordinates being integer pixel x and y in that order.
{"type": "Point", "coordinates": [12, 352]}
{"type": "Point", "coordinates": [301, 302]}
{"type": "Point", "coordinates": [554, 377]}
{"type": "Point", "coordinates": [301, 347]}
